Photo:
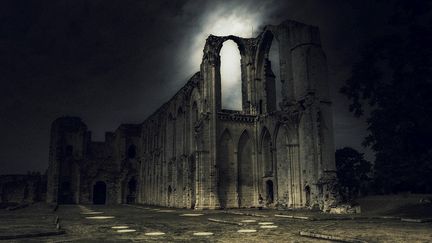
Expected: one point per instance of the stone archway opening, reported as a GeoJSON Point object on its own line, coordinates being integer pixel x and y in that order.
{"type": "Point", "coordinates": [99, 193]}
{"type": "Point", "coordinates": [275, 69]}
{"type": "Point", "coordinates": [269, 192]}
{"type": "Point", "coordinates": [266, 154]}
{"type": "Point", "coordinates": [132, 191]}
{"type": "Point", "coordinates": [169, 195]}
{"type": "Point", "coordinates": [308, 196]}
{"type": "Point", "coordinates": [65, 193]}
{"type": "Point", "coordinates": [230, 71]}
{"type": "Point", "coordinates": [269, 70]}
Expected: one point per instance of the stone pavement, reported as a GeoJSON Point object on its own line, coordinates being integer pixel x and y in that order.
{"type": "Point", "coordinates": [136, 223]}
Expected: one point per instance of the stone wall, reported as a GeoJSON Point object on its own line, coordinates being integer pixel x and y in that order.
{"type": "Point", "coordinates": [22, 188]}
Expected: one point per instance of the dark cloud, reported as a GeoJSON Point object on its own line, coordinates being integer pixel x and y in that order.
{"type": "Point", "coordinates": [117, 61]}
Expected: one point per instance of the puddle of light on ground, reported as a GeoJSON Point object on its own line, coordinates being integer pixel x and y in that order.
{"type": "Point", "coordinates": [203, 233]}
{"type": "Point", "coordinates": [125, 230]}
{"type": "Point", "coordinates": [246, 230]}
{"type": "Point", "coordinates": [191, 214]}
{"type": "Point", "coordinates": [166, 211]}
{"type": "Point", "coordinates": [155, 233]}
{"type": "Point", "coordinates": [120, 227]}
{"type": "Point", "coordinates": [91, 212]}
{"type": "Point", "coordinates": [265, 223]}
{"type": "Point", "coordinates": [268, 226]}
{"type": "Point", "coordinates": [100, 217]}
{"type": "Point", "coordinates": [248, 221]}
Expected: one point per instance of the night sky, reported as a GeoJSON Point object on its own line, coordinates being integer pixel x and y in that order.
{"type": "Point", "coordinates": [113, 62]}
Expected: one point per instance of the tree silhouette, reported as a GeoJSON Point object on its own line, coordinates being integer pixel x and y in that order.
{"type": "Point", "coordinates": [352, 172]}
{"type": "Point", "coordinates": [392, 80]}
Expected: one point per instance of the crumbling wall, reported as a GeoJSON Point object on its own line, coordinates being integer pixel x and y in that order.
{"type": "Point", "coordinates": [190, 153]}
{"type": "Point", "coordinates": [22, 188]}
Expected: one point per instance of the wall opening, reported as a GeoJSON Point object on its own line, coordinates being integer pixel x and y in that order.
{"type": "Point", "coordinates": [269, 192]}
{"type": "Point", "coordinates": [230, 69]}
{"type": "Point", "coordinates": [274, 62]}
{"type": "Point", "coordinates": [169, 195]}
{"type": "Point", "coordinates": [99, 193]}
{"type": "Point", "coordinates": [194, 113]}
{"type": "Point", "coordinates": [132, 191]}
{"type": "Point", "coordinates": [65, 193]}
{"type": "Point", "coordinates": [266, 154]}
{"type": "Point", "coordinates": [308, 196]}
{"type": "Point", "coordinates": [192, 169]}
{"type": "Point", "coordinates": [131, 152]}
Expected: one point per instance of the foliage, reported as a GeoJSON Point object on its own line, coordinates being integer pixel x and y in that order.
{"type": "Point", "coordinates": [352, 172]}
{"type": "Point", "coordinates": [392, 81]}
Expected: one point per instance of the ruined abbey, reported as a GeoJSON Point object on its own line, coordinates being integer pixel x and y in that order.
{"type": "Point", "coordinates": [192, 153]}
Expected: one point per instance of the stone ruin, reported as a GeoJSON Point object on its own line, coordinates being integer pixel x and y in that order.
{"type": "Point", "coordinates": [192, 153]}
{"type": "Point", "coordinates": [22, 189]}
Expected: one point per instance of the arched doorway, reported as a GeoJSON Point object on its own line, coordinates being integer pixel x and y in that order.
{"type": "Point", "coordinates": [269, 192]}
{"type": "Point", "coordinates": [99, 193]}
{"type": "Point", "coordinates": [308, 199]}
{"type": "Point", "coordinates": [132, 188]}
{"type": "Point", "coordinates": [266, 154]}
{"type": "Point", "coordinates": [169, 195]}
{"type": "Point", "coordinates": [65, 193]}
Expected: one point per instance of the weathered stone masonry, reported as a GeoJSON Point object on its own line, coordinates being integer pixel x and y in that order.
{"type": "Point", "coordinates": [192, 153]}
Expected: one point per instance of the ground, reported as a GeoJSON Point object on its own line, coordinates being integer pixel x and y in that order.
{"type": "Point", "coordinates": [179, 225]}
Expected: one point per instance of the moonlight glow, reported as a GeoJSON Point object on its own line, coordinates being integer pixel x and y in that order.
{"type": "Point", "coordinates": [236, 20]}
{"type": "Point", "coordinates": [231, 76]}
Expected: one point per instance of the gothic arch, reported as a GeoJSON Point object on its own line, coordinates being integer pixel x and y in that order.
{"type": "Point", "coordinates": [231, 78]}
{"type": "Point", "coordinates": [227, 172]}
{"type": "Point", "coordinates": [266, 148]}
{"type": "Point", "coordinates": [263, 50]}
{"type": "Point", "coordinates": [245, 170]}
{"type": "Point", "coordinates": [214, 44]}
{"type": "Point", "coordinates": [211, 58]}
{"type": "Point", "coordinates": [268, 70]}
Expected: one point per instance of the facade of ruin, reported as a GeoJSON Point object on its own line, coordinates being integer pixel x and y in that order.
{"type": "Point", "coordinates": [192, 153]}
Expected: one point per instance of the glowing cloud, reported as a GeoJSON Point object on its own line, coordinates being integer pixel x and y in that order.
{"type": "Point", "coordinates": [240, 19]}
{"type": "Point", "coordinates": [231, 76]}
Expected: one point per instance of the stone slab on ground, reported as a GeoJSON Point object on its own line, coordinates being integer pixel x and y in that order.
{"type": "Point", "coordinates": [224, 221]}
{"type": "Point", "coordinates": [331, 237]}
{"type": "Point", "coordinates": [416, 220]}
